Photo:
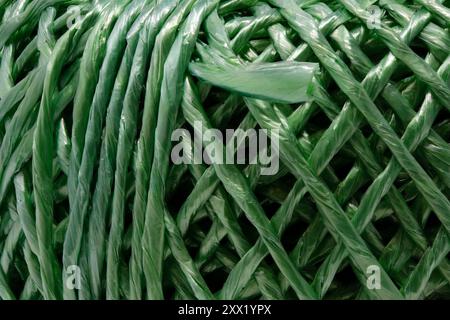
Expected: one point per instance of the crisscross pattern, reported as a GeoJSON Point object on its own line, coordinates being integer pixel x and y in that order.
{"type": "Point", "coordinates": [90, 94]}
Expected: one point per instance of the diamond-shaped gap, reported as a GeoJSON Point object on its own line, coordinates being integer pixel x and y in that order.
{"type": "Point", "coordinates": [293, 232]}
{"type": "Point", "coordinates": [176, 197]}
{"type": "Point", "coordinates": [428, 151]}
{"type": "Point", "coordinates": [383, 213]}
{"type": "Point", "coordinates": [249, 230]}
{"type": "Point", "coordinates": [220, 105]}
{"type": "Point", "coordinates": [438, 287]}
{"type": "Point", "coordinates": [441, 118]}
{"type": "Point", "coordinates": [303, 222]}
{"type": "Point", "coordinates": [277, 191]}
{"type": "Point", "coordinates": [442, 127]}
{"type": "Point", "coordinates": [407, 187]}
{"type": "Point", "coordinates": [334, 92]}
{"type": "Point", "coordinates": [339, 166]}
{"type": "Point", "coordinates": [353, 59]}
{"type": "Point", "coordinates": [320, 253]}
{"type": "Point", "coordinates": [17, 275]}
{"type": "Point", "coordinates": [374, 239]}
{"type": "Point", "coordinates": [372, 45]}
{"type": "Point", "coordinates": [226, 115]}
{"type": "Point", "coordinates": [218, 267]}
{"type": "Point", "coordinates": [413, 90]}
{"type": "Point", "coordinates": [317, 248]}
{"type": "Point", "coordinates": [432, 226]}
{"type": "Point", "coordinates": [289, 293]}
{"type": "Point", "coordinates": [340, 288]}
{"type": "Point", "coordinates": [318, 257]}
{"type": "Point", "coordinates": [292, 35]}
{"type": "Point", "coordinates": [388, 226]}
{"type": "Point", "coordinates": [212, 97]}
{"type": "Point", "coordinates": [315, 126]}
{"type": "Point", "coordinates": [174, 281]}
{"type": "Point", "coordinates": [375, 143]}
{"type": "Point", "coordinates": [19, 49]}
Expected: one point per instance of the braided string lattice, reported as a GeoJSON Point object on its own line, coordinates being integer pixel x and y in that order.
{"type": "Point", "coordinates": [88, 106]}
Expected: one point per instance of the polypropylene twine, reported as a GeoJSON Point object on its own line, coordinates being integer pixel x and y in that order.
{"type": "Point", "coordinates": [93, 206]}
